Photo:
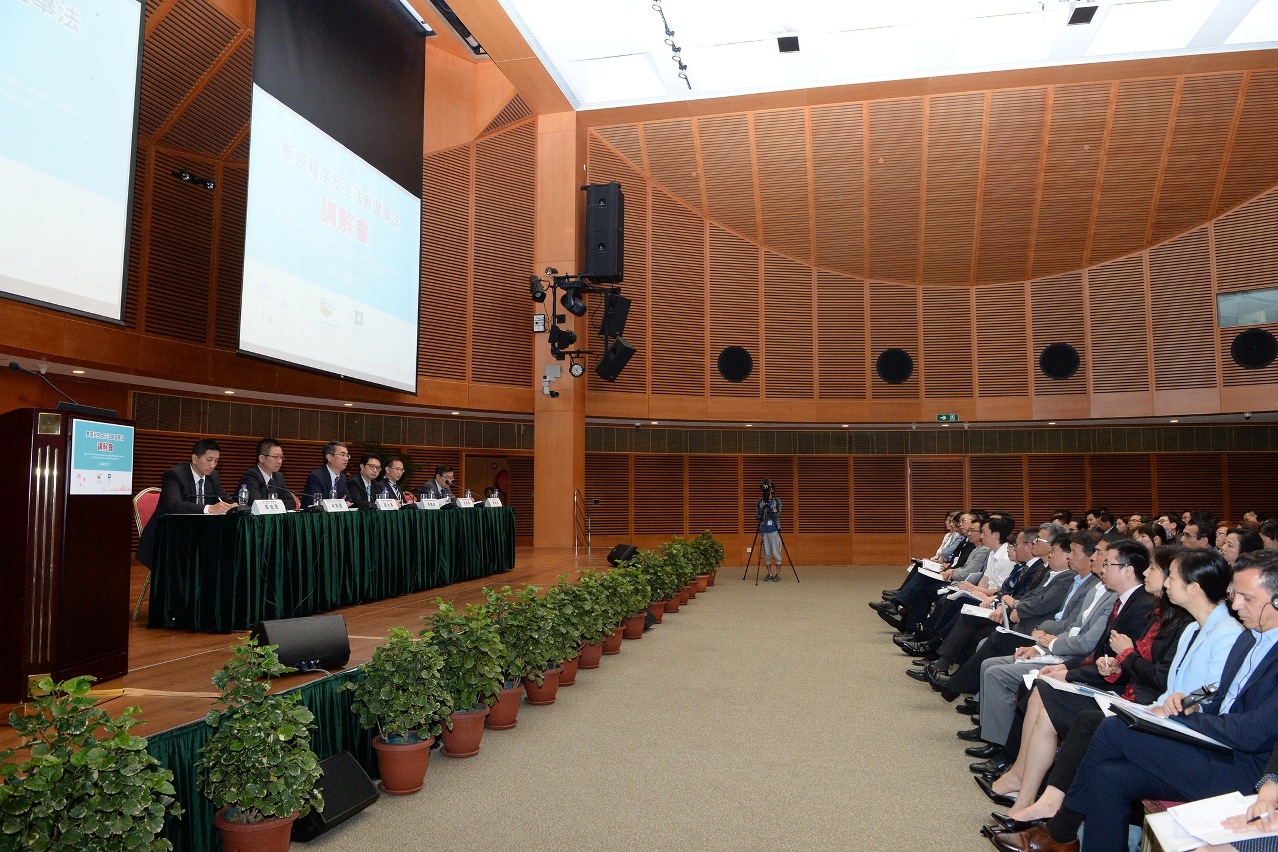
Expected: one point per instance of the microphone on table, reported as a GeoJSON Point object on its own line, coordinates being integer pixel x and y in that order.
{"type": "Point", "coordinates": [74, 406]}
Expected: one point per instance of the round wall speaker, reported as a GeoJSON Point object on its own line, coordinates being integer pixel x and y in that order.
{"type": "Point", "coordinates": [735, 363]}
{"type": "Point", "coordinates": [895, 366]}
{"type": "Point", "coordinates": [1254, 349]}
{"type": "Point", "coordinates": [1059, 361]}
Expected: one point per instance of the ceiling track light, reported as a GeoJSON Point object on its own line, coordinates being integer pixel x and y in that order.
{"type": "Point", "coordinates": [185, 176]}
{"type": "Point", "coordinates": [676, 52]}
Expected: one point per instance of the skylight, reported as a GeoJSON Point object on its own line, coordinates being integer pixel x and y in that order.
{"type": "Point", "coordinates": [607, 53]}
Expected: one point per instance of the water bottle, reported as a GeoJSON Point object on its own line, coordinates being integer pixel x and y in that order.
{"type": "Point", "coordinates": [332, 493]}
{"type": "Point", "coordinates": [243, 495]}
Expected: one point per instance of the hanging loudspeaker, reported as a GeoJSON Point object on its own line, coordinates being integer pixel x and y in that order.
{"type": "Point", "coordinates": [1254, 349]}
{"type": "Point", "coordinates": [735, 363]}
{"type": "Point", "coordinates": [614, 360]}
{"type": "Point", "coordinates": [616, 309]}
{"type": "Point", "coordinates": [1059, 361]}
{"type": "Point", "coordinates": [895, 366]}
{"type": "Point", "coordinates": [605, 233]}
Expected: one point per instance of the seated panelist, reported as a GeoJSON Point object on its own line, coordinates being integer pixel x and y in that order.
{"type": "Point", "coordinates": [366, 487]}
{"type": "Point", "coordinates": [264, 480]}
{"type": "Point", "coordinates": [189, 488]}
{"type": "Point", "coordinates": [391, 475]}
{"type": "Point", "coordinates": [329, 480]}
{"type": "Point", "coordinates": [440, 486]}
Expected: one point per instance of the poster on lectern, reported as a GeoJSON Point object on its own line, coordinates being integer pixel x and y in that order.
{"type": "Point", "coordinates": [101, 458]}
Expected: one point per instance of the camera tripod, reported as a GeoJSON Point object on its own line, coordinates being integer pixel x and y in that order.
{"type": "Point", "coordinates": [759, 565]}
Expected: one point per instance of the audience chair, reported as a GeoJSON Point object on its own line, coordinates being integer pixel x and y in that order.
{"type": "Point", "coordinates": [143, 508]}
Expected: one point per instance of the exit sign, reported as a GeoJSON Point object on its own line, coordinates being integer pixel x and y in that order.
{"type": "Point", "coordinates": [947, 418]}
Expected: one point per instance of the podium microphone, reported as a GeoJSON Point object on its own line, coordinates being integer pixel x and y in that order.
{"type": "Point", "coordinates": [74, 407]}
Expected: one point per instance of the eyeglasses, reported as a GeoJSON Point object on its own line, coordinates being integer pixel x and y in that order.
{"type": "Point", "coordinates": [276, 456]}
{"type": "Point", "coordinates": [1109, 564]}
{"type": "Point", "coordinates": [342, 455]}
{"type": "Point", "coordinates": [1040, 540]}
{"type": "Point", "coordinates": [1188, 534]}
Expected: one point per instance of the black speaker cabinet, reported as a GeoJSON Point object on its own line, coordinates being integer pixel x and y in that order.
{"type": "Point", "coordinates": [736, 363]}
{"type": "Point", "coordinates": [346, 789]}
{"type": "Point", "coordinates": [616, 309]}
{"type": "Point", "coordinates": [894, 366]}
{"type": "Point", "coordinates": [1059, 361]}
{"type": "Point", "coordinates": [614, 360]}
{"type": "Point", "coordinates": [1254, 349]}
{"type": "Point", "coordinates": [317, 642]}
{"type": "Point", "coordinates": [621, 553]}
{"type": "Point", "coordinates": [605, 233]}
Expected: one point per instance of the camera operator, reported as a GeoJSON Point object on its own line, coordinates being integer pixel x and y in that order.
{"type": "Point", "coordinates": [768, 512]}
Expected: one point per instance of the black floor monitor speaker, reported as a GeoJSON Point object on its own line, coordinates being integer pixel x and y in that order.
{"type": "Point", "coordinates": [614, 360]}
{"type": "Point", "coordinates": [735, 363]}
{"type": "Point", "coordinates": [621, 553]}
{"type": "Point", "coordinates": [317, 642]}
{"type": "Point", "coordinates": [605, 232]}
{"type": "Point", "coordinates": [616, 309]}
{"type": "Point", "coordinates": [1254, 349]}
{"type": "Point", "coordinates": [894, 366]}
{"type": "Point", "coordinates": [1059, 361]}
{"type": "Point", "coordinates": [346, 789]}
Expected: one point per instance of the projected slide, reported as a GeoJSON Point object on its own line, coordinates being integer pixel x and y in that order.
{"type": "Point", "coordinates": [331, 255]}
{"type": "Point", "coordinates": [68, 94]}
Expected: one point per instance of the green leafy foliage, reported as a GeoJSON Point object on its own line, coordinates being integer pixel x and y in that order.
{"type": "Point", "coordinates": [527, 630]}
{"type": "Point", "coordinates": [259, 761]}
{"type": "Point", "coordinates": [710, 550]}
{"type": "Point", "coordinates": [663, 581]}
{"type": "Point", "coordinates": [470, 644]}
{"type": "Point", "coordinates": [570, 616]}
{"type": "Point", "coordinates": [86, 783]}
{"type": "Point", "coordinates": [399, 690]}
{"type": "Point", "coordinates": [627, 592]}
{"type": "Point", "coordinates": [597, 620]}
{"type": "Point", "coordinates": [681, 559]}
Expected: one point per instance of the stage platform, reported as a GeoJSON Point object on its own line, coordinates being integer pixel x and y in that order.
{"type": "Point", "coordinates": [169, 670]}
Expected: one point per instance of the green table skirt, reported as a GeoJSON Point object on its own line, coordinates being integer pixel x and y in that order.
{"type": "Point", "coordinates": [226, 573]}
{"type": "Point", "coordinates": [336, 730]}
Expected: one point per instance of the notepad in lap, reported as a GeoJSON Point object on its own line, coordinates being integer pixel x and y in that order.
{"type": "Point", "coordinates": [978, 611]}
{"type": "Point", "coordinates": [1142, 720]}
{"type": "Point", "coordinates": [1203, 818]}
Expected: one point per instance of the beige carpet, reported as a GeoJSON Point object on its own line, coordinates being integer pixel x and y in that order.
{"type": "Point", "coordinates": [771, 717]}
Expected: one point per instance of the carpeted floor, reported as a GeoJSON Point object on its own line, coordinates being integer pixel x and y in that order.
{"type": "Point", "coordinates": [771, 717]}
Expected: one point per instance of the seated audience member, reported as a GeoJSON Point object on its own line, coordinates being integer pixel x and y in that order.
{"type": "Point", "coordinates": [1195, 535]}
{"type": "Point", "coordinates": [365, 487]}
{"type": "Point", "coordinates": [910, 605]}
{"type": "Point", "coordinates": [1105, 525]}
{"type": "Point", "coordinates": [1123, 766]}
{"type": "Point", "coordinates": [264, 480]}
{"type": "Point", "coordinates": [1269, 534]}
{"type": "Point", "coordinates": [1238, 541]}
{"type": "Point", "coordinates": [1222, 530]}
{"type": "Point", "coordinates": [1173, 524]}
{"type": "Point", "coordinates": [1192, 619]}
{"type": "Point", "coordinates": [1080, 596]}
{"type": "Point", "coordinates": [189, 488]}
{"type": "Point", "coordinates": [330, 480]}
{"type": "Point", "coordinates": [1137, 520]}
{"type": "Point", "coordinates": [996, 534]}
{"type": "Point", "coordinates": [391, 475]}
{"type": "Point", "coordinates": [439, 487]}
{"type": "Point", "coordinates": [950, 543]}
{"type": "Point", "coordinates": [1152, 536]}
{"type": "Point", "coordinates": [1253, 520]}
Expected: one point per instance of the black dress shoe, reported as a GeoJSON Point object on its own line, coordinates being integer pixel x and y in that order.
{"type": "Point", "coordinates": [888, 594]}
{"type": "Point", "coordinates": [972, 736]}
{"type": "Point", "coordinates": [971, 705]}
{"type": "Point", "coordinates": [917, 674]}
{"type": "Point", "coordinates": [940, 683]}
{"type": "Point", "coordinates": [884, 606]}
{"type": "Point", "coordinates": [995, 765]}
{"type": "Point", "coordinates": [1010, 823]}
{"type": "Point", "coordinates": [987, 787]}
{"type": "Point", "coordinates": [976, 718]}
{"type": "Point", "coordinates": [899, 639]}
{"type": "Point", "coordinates": [984, 752]}
{"type": "Point", "coordinates": [892, 619]}
{"type": "Point", "coordinates": [925, 659]}
{"type": "Point", "coordinates": [1035, 839]}
{"type": "Point", "coordinates": [916, 649]}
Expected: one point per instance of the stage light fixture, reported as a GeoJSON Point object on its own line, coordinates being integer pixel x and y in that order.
{"type": "Point", "coordinates": [572, 303]}
{"type": "Point", "coordinates": [577, 370]}
{"type": "Point", "coordinates": [535, 289]}
{"type": "Point", "coordinates": [562, 338]}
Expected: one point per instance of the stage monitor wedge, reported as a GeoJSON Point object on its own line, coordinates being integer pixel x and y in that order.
{"type": "Point", "coordinates": [69, 80]}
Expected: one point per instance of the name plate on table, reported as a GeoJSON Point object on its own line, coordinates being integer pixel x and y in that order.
{"type": "Point", "coordinates": [268, 507]}
{"type": "Point", "coordinates": [334, 504]}
{"type": "Point", "coordinates": [386, 504]}
{"type": "Point", "coordinates": [493, 502]}
{"type": "Point", "coordinates": [465, 502]}
{"type": "Point", "coordinates": [431, 503]}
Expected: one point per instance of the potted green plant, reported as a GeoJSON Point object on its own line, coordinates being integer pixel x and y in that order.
{"type": "Point", "coordinates": [614, 599]}
{"type": "Point", "coordinates": [399, 693]}
{"type": "Point", "coordinates": [596, 624]}
{"type": "Point", "coordinates": [471, 647]}
{"type": "Point", "coordinates": [711, 551]}
{"type": "Point", "coordinates": [570, 616]}
{"type": "Point", "coordinates": [675, 552]}
{"type": "Point", "coordinates": [504, 713]}
{"type": "Point", "coordinates": [662, 582]}
{"type": "Point", "coordinates": [85, 781]}
{"type": "Point", "coordinates": [258, 768]}
{"type": "Point", "coordinates": [635, 595]}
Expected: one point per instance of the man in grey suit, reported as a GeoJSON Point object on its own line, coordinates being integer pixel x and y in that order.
{"type": "Point", "coordinates": [1074, 635]}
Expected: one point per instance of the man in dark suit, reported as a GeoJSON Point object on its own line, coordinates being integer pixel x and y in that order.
{"type": "Point", "coordinates": [329, 480]}
{"type": "Point", "coordinates": [1124, 766]}
{"type": "Point", "coordinates": [190, 488]}
{"type": "Point", "coordinates": [440, 487]}
{"type": "Point", "coordinates": [391, 475]}
{"type": "Point", "coordinates": [366, 487]}
{"type": "Point", "coordinates": [264, 480]}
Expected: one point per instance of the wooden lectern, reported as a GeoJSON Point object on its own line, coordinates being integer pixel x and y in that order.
{"type": "Point", "coordinates": [64, 581]}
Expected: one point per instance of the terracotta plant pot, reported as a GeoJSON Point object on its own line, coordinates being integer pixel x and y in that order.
{"type": "Point", "coordinates": [672, 605]}
{"type": "Point", "coordinates": [633, 625]}
{"type": "Point", "coordinates": [540, 696]}
{"type": "Point", "coordinates": [468, 730]}
{"type": "Point", "coordinates": [402, 766]}
{"type": "Point", "coordinates": [612, 642]}
{"type": "Point", "coordinates": [590, 655]}
{"type": "Point", "coordinates": [568, 670]}
{"type": "Point", "coordinates": [658, 609]}
{"type": "Point", "coordinates": [710, 578]}
{"type": "Point", "coordinates": [692, 590]}
{"type": "Point", "coordinates": [703, 580]}
{"type": "Point", "coordinates": [271, 835]}
{"type": "Point", "coordinates": [683, 596]}
{"type": "Point", "coordinates": [501, 716]}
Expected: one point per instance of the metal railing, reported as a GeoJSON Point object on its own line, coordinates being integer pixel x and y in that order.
{"type": "Point", "coordinates": [580, 521]}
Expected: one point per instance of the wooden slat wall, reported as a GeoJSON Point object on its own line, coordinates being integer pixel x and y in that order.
{"type": "Point", "coordinates": [824, 492]}
{"type": "Point", "coordinates": [788, 339]}
{"type": "Point", "coordinates": [678, 299]}
{"type": "Point", "coordinates": [879, 495]}
{"type": "Point", "coordinates": [841, 324]}
{"type": "Point", "coordinates": [658, 495]}
{"type": "Point", "coordinates": [715, 495]}
{"type": "Point", "coordinates": [734, 308]}
{"type": "Point", "coordinates": [520, 493]}
{"type": "Point", "coordinates": [608, 481]}
{"type": "Point", "coordinates": [947, 341]}
{"type": "Point", "coordinates": [1120, 340]}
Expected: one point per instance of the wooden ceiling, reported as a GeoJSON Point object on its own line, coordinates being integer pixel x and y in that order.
{"type": "Point", "coordinates": [998, 185]}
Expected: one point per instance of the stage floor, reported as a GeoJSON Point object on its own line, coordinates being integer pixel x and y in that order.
{"type": "Point", "coordinates": [169, 671]}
